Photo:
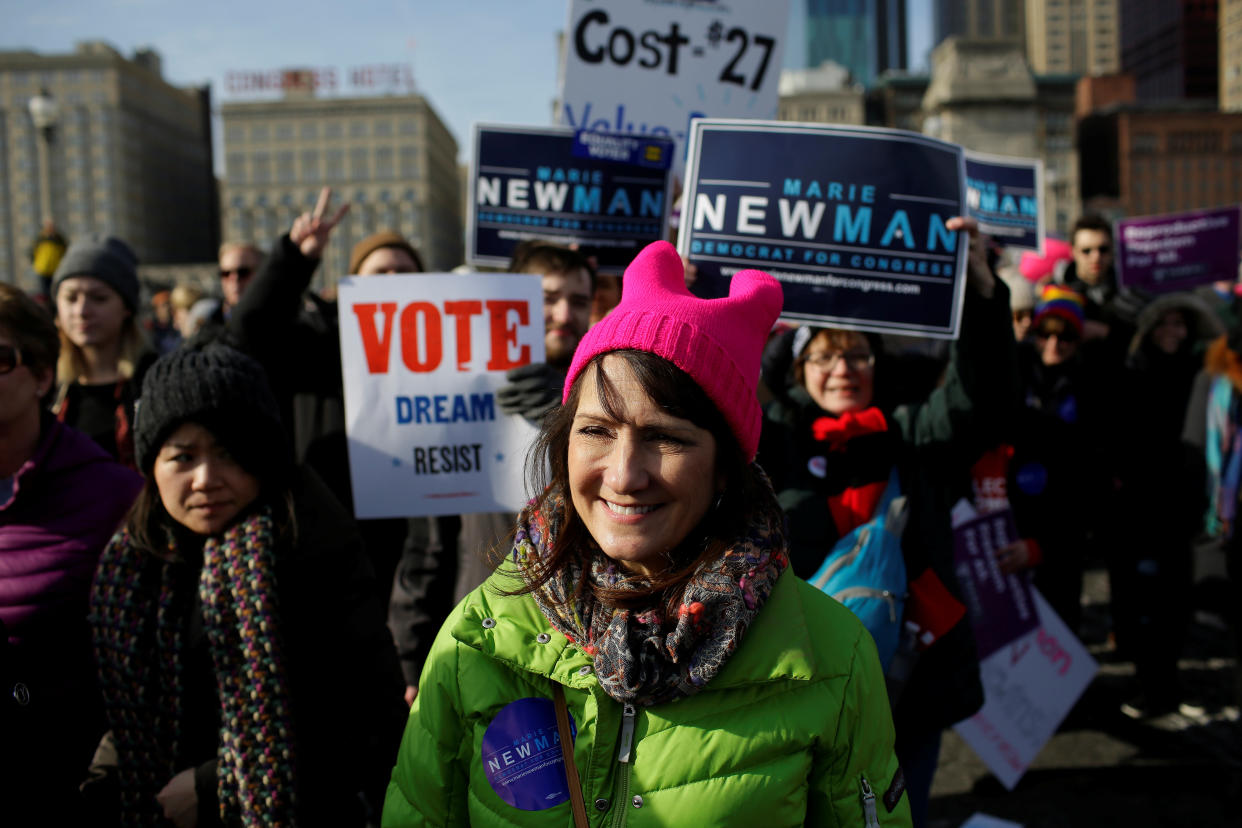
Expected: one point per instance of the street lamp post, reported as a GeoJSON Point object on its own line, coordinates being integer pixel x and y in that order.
{"type": "Point", "coordinates": [43, 113]}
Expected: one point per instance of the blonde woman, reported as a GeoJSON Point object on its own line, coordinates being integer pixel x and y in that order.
{"type": "Point", "coordinates": [102, 350]}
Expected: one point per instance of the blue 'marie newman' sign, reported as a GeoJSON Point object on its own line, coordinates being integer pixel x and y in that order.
{"type": "Point", "coordinates": [1005, 195]}
{"type": "Point", "coordinates": [606, 193]}
{"type": "Point", "coordinates": [850, 220]}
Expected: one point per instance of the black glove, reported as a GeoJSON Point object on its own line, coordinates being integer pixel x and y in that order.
{"type": "Point", "coordinates": [533, 390]}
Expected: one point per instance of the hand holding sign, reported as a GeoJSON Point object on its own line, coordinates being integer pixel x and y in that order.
{"type": "Point", "coordinates": [978, 274]}
{"type": "Point", "coordinates": [310, 231]}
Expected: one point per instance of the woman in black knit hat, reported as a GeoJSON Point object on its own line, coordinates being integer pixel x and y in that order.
{"type": "Point", "coordinates": [243, 659]}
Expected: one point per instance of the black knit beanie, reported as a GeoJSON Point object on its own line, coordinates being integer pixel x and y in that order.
{"type": "Point", "coordinates": [224, 391]}
{"type": "Point", "coordinates": [106, 258]}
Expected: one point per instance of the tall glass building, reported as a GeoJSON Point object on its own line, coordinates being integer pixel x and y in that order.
{"type": "Point", "coordinates": [864, 36]}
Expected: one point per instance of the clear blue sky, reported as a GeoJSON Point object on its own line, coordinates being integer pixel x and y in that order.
{"type": "Point", "coordinates": [476, 60]}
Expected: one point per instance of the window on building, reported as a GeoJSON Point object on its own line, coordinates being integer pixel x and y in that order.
{"type": "Point", "coordinates": [359, 163]}
{"type": "Point", "coordinates": [409, 160]}
{"type": "Point", "coordinates": [261, 168]}
{"type": "Point", "coordinates": [334, 161]}
{"type": "Point", "coordinates": [358, 128]}
{"type": "Point", "coordinates": [284, 132]}
{"type": "Point", "coordinates": [235, 167]}
{"type": "Point", "coordinates": [310, 166]}
{"type": "Point", "coordinates": [383, 128]}
{"type": "Point", "coordinates": [333, 129]}
{"type": "Point", "coordinates": [284, 167]}
{"type": "Point", "coordinates": [407, 126]}
{"type": "Point", "coordinates": [308, 131]}
{"type": "Point", "coordinates": [1145, 142]}
{"type": "Point", "coordinates": [259, 132]}
{"type": "Point", "coordinates": [383, 162]}
{"type": "Point", "coordinates": [235, 133]}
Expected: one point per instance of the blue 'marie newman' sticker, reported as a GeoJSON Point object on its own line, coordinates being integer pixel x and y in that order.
{"type": "Point", "coordinates": [522, 755]}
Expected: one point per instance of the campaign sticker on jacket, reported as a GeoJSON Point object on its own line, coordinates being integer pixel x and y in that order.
{"type": "Point", "coordinates": [1032, 479]}
{"type": "Point", "coordinates": [522, 758]}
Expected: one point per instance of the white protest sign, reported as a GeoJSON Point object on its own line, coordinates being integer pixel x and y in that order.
{"type": "Point", "coordinates": [649, 66]}
{"type": "Point", "coordinates": [1028, 687]}
{"type": "Point", "coordinates": [422, 357]}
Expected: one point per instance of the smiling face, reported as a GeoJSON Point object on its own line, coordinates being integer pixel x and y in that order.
{"type": "Point", "coordinates": [838, 371]}
{"type": "Point", "coordinates": [641, 480]}
{"type": "Point", "coordinates": [89, 311]}
{"type": "Point", "coordinates": [201, 485]}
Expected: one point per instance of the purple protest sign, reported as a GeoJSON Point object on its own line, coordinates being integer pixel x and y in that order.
{"type": "Point", "coordinates": [1178, 251]}
{"type": "Point", "coordinates": [1001, 607]}
{"type": "Point", "coordinates": [521, 755]}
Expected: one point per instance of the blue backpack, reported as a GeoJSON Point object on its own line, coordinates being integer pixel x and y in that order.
{"type": "Point", "coordinates": [866, 572]}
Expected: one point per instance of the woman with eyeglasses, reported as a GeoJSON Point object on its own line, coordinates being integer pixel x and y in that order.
{"type": "Point", "coordinates": [831, 450]}
{"type": "Point", "coordinates": [103, 353]}
{"type": "Point", "coordinates": [61, 498]}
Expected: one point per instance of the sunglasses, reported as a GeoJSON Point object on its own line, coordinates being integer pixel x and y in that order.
{"type": "Point", "coordinates": [1102, 249]}
{"type": "Point", "coordinates": [10, 358]}
{"type": "Point", "coordinates": [242, 272]}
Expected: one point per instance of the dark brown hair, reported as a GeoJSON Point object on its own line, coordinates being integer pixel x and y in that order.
{"type": "Point", "coordinates": [1092, 221]}
{"type": "Point", "coordinates": [31, 327]}
{"type": "Point", "coordinates": [540, 257]}
{"type": "Point", "coordinates": [838, 338]}
{"type": "Point", "coordinates": [676, 393]}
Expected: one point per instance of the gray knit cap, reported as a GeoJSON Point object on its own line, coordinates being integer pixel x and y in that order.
{"type": "Point", "coordinates": [221, 389]}
{"type": "Point", "coordinates": [108, 259]}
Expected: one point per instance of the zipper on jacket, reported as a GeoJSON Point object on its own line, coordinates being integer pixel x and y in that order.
{"type": "Point", "coordinates": [868, 804]}
{"type": "Point", "coordinates": [621, 801]}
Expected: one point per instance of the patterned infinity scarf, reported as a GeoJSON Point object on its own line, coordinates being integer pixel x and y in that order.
{"type": "Point", "coordinates": [139, 605]}
{"type": "Point", "coordinates": [641, 657]}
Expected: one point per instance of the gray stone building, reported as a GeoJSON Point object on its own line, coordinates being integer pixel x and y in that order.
{"type": "Point", "coordinates": [129, 155]}
{"type": "Point", "coordinates": [983, 96]}
{"type": "Point", "coordinates": [390, 156]}
{"type": "Point", "coordinates": [825, 95]}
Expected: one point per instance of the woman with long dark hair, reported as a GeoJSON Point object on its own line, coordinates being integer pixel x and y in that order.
{"type": "Point", "coordinates": [642, 651]}
{"type": "Point", "coordinates": [245, 665]}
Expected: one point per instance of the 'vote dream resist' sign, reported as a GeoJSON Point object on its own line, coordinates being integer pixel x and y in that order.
{"type": "Point", "coordinates": [422, 357]}
{"type": "Point", "coordinates": [604, 192]}
{"type": "Point", "coordinates": [851, 221]}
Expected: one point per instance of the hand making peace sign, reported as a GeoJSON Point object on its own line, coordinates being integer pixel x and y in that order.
{"type": "Point", "coordinates": [310, 231]}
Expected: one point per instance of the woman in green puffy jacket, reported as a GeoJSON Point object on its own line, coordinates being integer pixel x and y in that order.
{"type": "Point", "coordinates": [646, 610]}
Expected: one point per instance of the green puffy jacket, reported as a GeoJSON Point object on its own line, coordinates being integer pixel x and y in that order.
{"type": "Point", "coordinates": [794, 730]}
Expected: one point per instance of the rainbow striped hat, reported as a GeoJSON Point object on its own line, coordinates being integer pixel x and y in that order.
{"type": "Point", "coordinates": [1062, 303]}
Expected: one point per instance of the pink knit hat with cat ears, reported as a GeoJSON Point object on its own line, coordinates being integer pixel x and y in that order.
{"type": "Point", "coordinates": [718, 342]}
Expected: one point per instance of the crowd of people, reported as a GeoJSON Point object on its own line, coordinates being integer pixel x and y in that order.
{"type": "Point", "coordinates": [195, 630]}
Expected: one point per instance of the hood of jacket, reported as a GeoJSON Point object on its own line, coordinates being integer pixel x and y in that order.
{"type": "Point", "coordinates": [1202, 323]}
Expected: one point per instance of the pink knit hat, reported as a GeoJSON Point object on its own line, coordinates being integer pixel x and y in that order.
{"type": "Point", "coordinates": [718, 342]}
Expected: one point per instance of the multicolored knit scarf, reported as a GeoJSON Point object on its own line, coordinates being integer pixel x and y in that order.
{"type": "Point", "coordinates": [139, 607]}
{"type": "Point", "coordinates": [641, 657]}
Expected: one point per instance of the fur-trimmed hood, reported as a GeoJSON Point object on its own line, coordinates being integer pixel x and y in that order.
{"type": "Point", "coordinates": [1202, 322]}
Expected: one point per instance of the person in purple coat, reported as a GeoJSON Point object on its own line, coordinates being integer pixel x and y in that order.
{"type": "Point", "coordinates": [61, 499]}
